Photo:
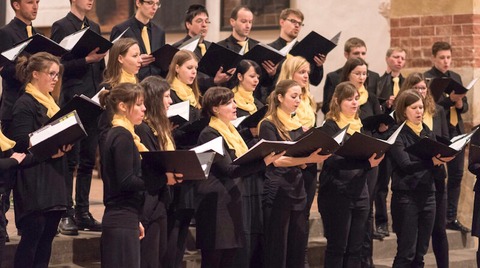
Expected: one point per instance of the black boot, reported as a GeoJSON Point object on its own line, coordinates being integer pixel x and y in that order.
{"type": "Point", "coordinates": [67, 226]}
{"type": "Point", "coordinates": [85, 221]}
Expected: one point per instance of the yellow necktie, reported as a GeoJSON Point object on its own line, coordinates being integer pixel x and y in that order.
{"type": "Point", "coordinates": [83, 25]}
{"type": "Point", "coordinates": [203, 48]}
{"type": "Point", "coordinates": [453, 116]}
{"type": "Point", "coordinates": [146, 39]}
{"type": "Point", "coordinates": [29, 31]}
{"type": "Point", "coordinates": [396, 85]}
{"type": "Point", "coordinates": [244, 44]}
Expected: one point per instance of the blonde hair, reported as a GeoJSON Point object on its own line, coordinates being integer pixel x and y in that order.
{"type": "Point", "coordinates": [289, 67]}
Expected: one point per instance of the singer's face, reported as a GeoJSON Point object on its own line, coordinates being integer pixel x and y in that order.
{"type": "Point", "coordinates": [301, 75]}
{"type": "Point", "coordinates": [358, 75]}
{"type": "Point", "coordinates": [350, 105]}
{"type": "Point", "coordinates": [199, 25]}
{"type": "Point", "coordinates": [131, 61]}
{"type": "Point", "coordinates": [167, 99]}
{"type": "Point", "coordinates": [187, 72]}
{"type": "Point", "coordinates": [249, 80]}
{"type": "Point", "coordinates": [136, 113]}
{"type": "Point", "coordinates": [290, 102]}
{"type": "Point", "coordinates": [414, 112]}
{"type": "Point", "coordinates": [227, 112]}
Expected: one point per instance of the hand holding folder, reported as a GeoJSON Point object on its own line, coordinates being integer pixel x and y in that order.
{"type": "Point", "coordinates": [440, 85]}
{"type": "Point", "coordinates": [314, 44]}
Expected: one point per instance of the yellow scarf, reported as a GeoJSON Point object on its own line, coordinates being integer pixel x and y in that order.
{"type": "Point", "coordinates": [122, 121]}
{"type": "Point", "coordinates": [305, 111]}
{"type": "Point", "coordinates": [416, 128]}
{"type": "Point", "coordinates": [184, 92]}
{"type": "Point", "coordinates": [363, 95]}
{"type": "Point", "coordinates": [428, 120]}
{"type": "Point", "coordinates": [45, 100]}
{"type": "Point", "coordinates": [5, 143]}
{"type": "Point", "coordinates": [244, 99]}
{"type": "Point", "coordinates": [230, 134]}
{"type": "Point", "coordinates": [170, 146]}
{"type": "Point", "coordinates": [290, 123]}
{"type": "Point", "coordinates": [127, 77]}
{"type": "Point", "coordinates": [355, 123]}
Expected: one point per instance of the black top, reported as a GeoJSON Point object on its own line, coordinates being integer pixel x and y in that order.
{"type": "Point", "coordinates": [244, 131]}
{"type": "Point", "coordinates": [41, 186]}
{"type": "Point", "coordinates": [122, 183]}
{"type": "Point", "coordinates": [78, 76]}
{"type": "Point", "coordinates": [156, 36]}
{"type": "Point", "coordinates": [232, 43]}
{"type": "Point", "coordinates": [446, 102]}
{"type": "Point", "coordinates": [411, 173]}
{"type": "Point", "coordinates": [10, 34]}
{"type": "Point", "coordinates": [283, 185]}
{"type": "Point", "coordinates": [385, 89]}
{"type": "Point", "coordinates": [185, 140]}
{"type": "Point", "coordinates": [344, 175]}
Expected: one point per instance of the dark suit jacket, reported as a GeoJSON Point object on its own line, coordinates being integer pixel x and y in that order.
{"type": "Point", "coordinates": [10, 34]}
{"type": "Point", "coordinates": [446, 103]}
{"type": "Point", "coordinates": [204, 81]}
{"type": "Point", "coordinates": [78, 76]}
{"type": "Point", "coordinates": [333, 79]}
{"type": "Point", "coordinates": [231, 43]}
{"type": "Point", "coordinates": [157, 40]}
{"type": "Point", "coordinates": [385, 89]}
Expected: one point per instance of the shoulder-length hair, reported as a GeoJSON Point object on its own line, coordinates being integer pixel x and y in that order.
{"type": "Point", "coordinates": [343, 91]}
{"type": "Point", "coordinates": [113, 72]}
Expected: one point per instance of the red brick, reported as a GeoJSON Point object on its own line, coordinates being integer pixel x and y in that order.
{"type": "Point", "coordinates": [422, 31]}
{"type": "Point", "coordinates": [462, 41]}
{"type": "Point", "coordinates": [436, 20]}
{"type": "Point", "coordinates": [416, 53]}
{"type": "Point", "coordinates": [411, 21]}
{"type": "Point", "coordinates": [420, 63]}
{"type": "Point", "coordinates": [477, 63]}
{"type": "Point", "coordinates": [394, 23]}
{"type": "Point", "coordinates": [415, 42]}
{"type": "Point", "coordinates": [462, 18]}
{"type": "Point", "coordinates": [400, 32]}
{"type": "Point", "coordinates": [394, 41]}
{"type": "Point", "coordinates": [443, 30]}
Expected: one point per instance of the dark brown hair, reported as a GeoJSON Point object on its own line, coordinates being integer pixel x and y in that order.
{"type": "Point", "coordinates": [343, 91]}
{"type": "Point", "coordinates": [214, 97]}
{"type": "Point", "coordinates": [40, 61]}
{"type": "Point", "coordinates": [402, 101]}
{"type": "Point", "coordinates": [349, 66]}
{"type": "Point", "coordinates": [127, 93]}
{"type": "Point", "coordinates": [440, 45]}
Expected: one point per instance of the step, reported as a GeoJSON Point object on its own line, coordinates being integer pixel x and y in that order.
{"type": "Point", "coordinates": [464, 258]}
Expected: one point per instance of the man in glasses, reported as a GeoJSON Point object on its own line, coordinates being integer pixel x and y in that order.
{"type": "Point", "coordinates": [197, 23]}
{"type": "Point", "coordinates": [150, 35]}
{"type": "Point", "coordinates": [80, 76]}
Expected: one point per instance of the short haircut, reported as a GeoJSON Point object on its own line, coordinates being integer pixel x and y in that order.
{"type": "Point", "coordinates": [193, 11]}
{"type": "Point", "coordinates": [402, 101]}
{"type": "Point", "coordinates": [235, 11]}
{"type": "Point", "coordinates": [214, 97]}
{"type": "Point", "coordinates": [287, 11]}
{"type": "Point", "coordinates": [349, 66]}
{"type": "Point", "coordinates": [352, 43]}
{"type": "Point", "coordinates": [393, 49]}
{"type": "Point", "coordinates": [440, 45]}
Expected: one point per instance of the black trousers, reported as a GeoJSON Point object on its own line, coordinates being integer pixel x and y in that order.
{"type": "Point", "coordinates": [3, 232]}
{"type": "Point", "coordinates": [439, 234]}
{"type": "Point", "coordinates": [310, 184]}
{"type": "Point", "coordinates": [35, 246]}
{"type": "Point", "coordinates": [218, 258]}
{"type": "Point", "coordinates": [380, 195]}
{"type": "Point", "coordinates": [455, 174]}
{"type": "Point", "coordinates": [82, 156]}
{"type": "Point", "coordinates": [413, 215]}
{"type": "Point", "coordinates": [120, 248]}
{"type": "Point", "coordinates": [344, 222]}
{"type": "Point", "coordinates": [367, 251]}
{"type": "Point", "coordinates": [178, 222]}
{"type": "Point", "coordinates": [154, 245]}
{"type": "Point", "coordinates": [285, 234]}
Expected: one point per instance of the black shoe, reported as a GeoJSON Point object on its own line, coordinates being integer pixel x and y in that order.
{"type": "Point", "coordinates": [67, 226]}
{"type": "Point", "coordinates": [85, 221]}
{"type": "Point", "coordinates": [378, 236]}
{"type": "Point", "coordinates": [457, 226]}
{"type": "Point", "coordinates": [383, 229]}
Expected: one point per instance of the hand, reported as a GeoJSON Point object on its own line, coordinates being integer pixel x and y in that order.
{"type": "Point", "coordinates": [320, 59]}
{"type": "Point", "coordinates": [315, 157]}
{"type": "Point", "coordinates": [305, 128]}
{"type": "Point", "coordinates": [141, 230]}
{"type": "Point", "coordinates": [382, 128]}
{"type": "Point", "coordinates": [147, 59]}
{"type": "Point", "coordinates": [456, 97]}
{"type": "Point", "coordinates": [390, 101]}
{"type": "Point", "coordinates": [18, 156]}
{"type": "Point", "coordinates": [254, 131]}
{"type": "Point", "coordinates": [270, 67]}
{"type": "Point", "coordinates": [439, 160]}
{"type": "Point", "coordinates": [93, 56]}
{"type": "Point", "coordinates": [173, 126]}
{"type": "Point", "coordinates": [375, 161]}
{"type": "Point", "coordinates": [62, 151]}
{"type": "Point", "coordinates": [173, 178]}
{"type": "Point", "coordinates": [272, 157]}
{"type": "Point", "coordinates": [221, 77]}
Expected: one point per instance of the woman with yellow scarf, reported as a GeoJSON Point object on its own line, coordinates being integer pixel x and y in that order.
{"type": "Point", "coordinates": [434, 118]}
{"type": "Point", "coordinates": [343, 197]}
{"type": "Point", "coordinates": [39, 190]}
{"type": "Point", "coordinates": [285, 198]}
{"type": "Point", "coordinates": [220, 231]}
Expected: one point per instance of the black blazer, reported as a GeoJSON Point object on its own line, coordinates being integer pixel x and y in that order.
{"type": "Point", "coordinates": [40, 187]}
{"type": "Point", "coordinates": [446, 103]}
{"type": "Point", "coordinates": [204, 81]}
{"type": "Point", "coordinates": [10, 34]}
{"type": "Point", "coordinates": [231, 43]}
{"type": "Point", "coordinates": [78, 76]}
{"type": "Point", "coordinates": [157, 40]}
{"type": "Point", "coordinates": [385, 89]}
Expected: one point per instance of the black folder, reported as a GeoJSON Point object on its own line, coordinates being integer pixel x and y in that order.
{"type": "Point", "coordinates": [188, 163]}
{"type": "Point", "coordinates": [427, 148]}
{"type": "Point", "coordinates": [195, 126]}
{"type": "Point", "coordinates": [251, 121]}
{"type": "Point", "coordinates": [315, 138]}
{"type": "Point", "coordinates": [164, 55]}
{"type": "Point", "coordinates": [82, 42]}
{"type": "Point", "coordinates": [474, 154]}
{"type": "Point", "coordinates": [39, 43]}
{"type": "Point", "coordinates": [10, 55]}
{"type": "Point", "coordinates": [262, 149]}
{"type": "Point", "coordinates": [314, 44]}
{"type": "Point", "coordinates": [47, 140]}
{"type": "Point", "coordinates": [441, 85]}
{"type": "Point", "coordinates": [260, 53]}
{"type": "Point", "coordinates": [218, 56]}
{"type": "Point", "coordinates": [373, 122]}
{"type": "Point", "coordinates": [361, 146]}
{"type": "Point", "coordinates": [87, 110]}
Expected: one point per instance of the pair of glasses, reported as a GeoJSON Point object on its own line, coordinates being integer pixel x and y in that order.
{"type": "Point", "coordinates": [200, 21]}
{"type": "Point", "coordinates": [360, 74]}
{"type": "Point", "coordinates": [296, 22]}
{"type": "Point", "coordinates": [420, 88]}
{"type": "Point", "coordinates": [53, 75]}
{"type": "Point", "coordinates": [151, 3]}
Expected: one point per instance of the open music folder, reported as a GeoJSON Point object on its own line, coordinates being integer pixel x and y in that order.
{"type": "Point", "coordinates": [314, 44]}
{"type": "Point", "coordinates": [440, 85]}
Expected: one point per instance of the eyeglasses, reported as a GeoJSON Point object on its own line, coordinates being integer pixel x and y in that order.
{"type": "Point", "coordinates": [151, 3]}
{"type": "Point", "coordinates": [296, 22]}
{"type": "Point", "coordinates": [420, 88]}
{"type": "Point", "coordinates": [200, 21]}
{"type": "Point", "coordinates": [360, 74]}
{"type": "Point", "coordinates": [53, 75]}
